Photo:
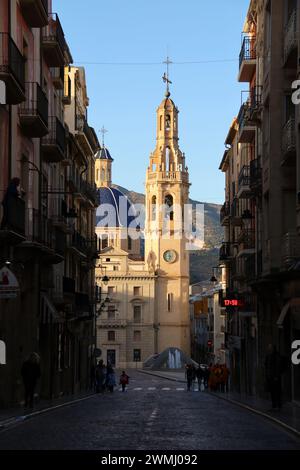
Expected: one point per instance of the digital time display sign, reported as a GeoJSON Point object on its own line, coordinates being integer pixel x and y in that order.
{"type": "Point", "coordinates": [233, 303]}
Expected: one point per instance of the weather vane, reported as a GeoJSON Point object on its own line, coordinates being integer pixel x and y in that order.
{"type": "Point", "coordinates": [103, 131]}
{"type": "Point", "coordinates": [166, 76]}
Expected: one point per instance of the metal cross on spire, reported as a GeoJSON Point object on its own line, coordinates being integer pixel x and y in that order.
{"type": "Point", "coordinates": [166, 76]}
{"type": "Point", "coordinates": [103, 131]}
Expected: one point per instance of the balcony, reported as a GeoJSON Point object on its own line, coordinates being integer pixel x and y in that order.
{"type": "Point", "coordinates": [225, 252]}
{"type": "Point", "coordinates": [247, 59]}
{"type": "Point", "coordinates": [12, 70]}
{"type": "Point", "coordinates": [91, 193]}
{"type": "Point", "coordinates": [86, 136]}
{"type": "Point", "coordinates": [235, 217]}
{"type": "Point", "coordinates": [246, 241]}
{"type": "Point", "coordinates": [244, 190]}
{"type": "Point", "coordinates": [255, 176]}
{"type": "Point", "coordinates": [247, 128]}
{"type": "Point", "coordinates": [53, 144]}
{"type": "Point", "coordinates": [58, 77]}
{"type": "Point", "coordinates": [79, 244]}
{"type": "Point", "coordinates": [289, 143]}
{"type": "Point", "coordinates": [290, 44]}
{"type": "Point", "coordinates": [67, 98]}
{"type": "Point", "coordinates": [59, 213]}
{"type": "Point", "coordinates": [13, 221]}
{"type": "Point", "coordinates": [225, 214]}
{"type": "Point", "coordinates": [35, 12]}
{"type": "Point", "coordinates": [82, 304]}
{"type": "Point", "coordinates": [53, 42]}
{"type": "Point", "coordinates": [255, 104]}
{"type": "Point", "coordinates": [290, 248]}
{"type": "Point", "coordinates": [33, 113]}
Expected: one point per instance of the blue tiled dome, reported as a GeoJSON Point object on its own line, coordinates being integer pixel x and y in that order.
{"type": "Point", "coordinates": [115, 209]}
{"type": "Point", "coordinates": [103, 154]}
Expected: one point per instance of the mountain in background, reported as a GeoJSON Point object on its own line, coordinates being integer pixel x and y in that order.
{"type": "Point", "coordinates": [203, 261]}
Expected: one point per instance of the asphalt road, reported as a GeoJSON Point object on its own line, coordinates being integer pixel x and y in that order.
{"type": "Point", "coordinates": [154, 414]}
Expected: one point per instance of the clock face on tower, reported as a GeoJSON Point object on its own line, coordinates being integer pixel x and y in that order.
{"type": "Point", "coordinates": [170, 256]}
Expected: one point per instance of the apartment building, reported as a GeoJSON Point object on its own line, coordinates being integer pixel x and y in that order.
{"type": "Point", "coordinates": [261, 212]}
{"type": "Point", "coordinates": [47, 227]}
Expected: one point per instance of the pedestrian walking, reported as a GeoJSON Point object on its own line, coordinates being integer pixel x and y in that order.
{"type": "Point", "coordinates": [124, 380]}
{"type": "Point", "coordinates": [30, 372]}
{"type": "Point", "coordinates": [200, 377]}
{"type": "Point", "coordinates": [110, 378]}
{"type": "Point", "coordinates": [274, 368]}
{"type": "Point", "coordinates": [189, 376]}
{"type": "Point", "coordinates": [100, 377]}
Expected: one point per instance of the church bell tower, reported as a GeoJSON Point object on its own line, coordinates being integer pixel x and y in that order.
{"type": "Point", "coordinates": [166, 254]}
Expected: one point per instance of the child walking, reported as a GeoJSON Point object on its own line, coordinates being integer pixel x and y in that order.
{"type": "Point", "coordinates": [124, 380]}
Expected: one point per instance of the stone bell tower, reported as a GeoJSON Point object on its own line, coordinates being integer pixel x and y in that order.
{"type": "Point", "coordinates": [166, 254]}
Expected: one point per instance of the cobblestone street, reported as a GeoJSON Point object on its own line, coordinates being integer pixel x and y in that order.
{"type": "Point", "coordinates": [154, 414]}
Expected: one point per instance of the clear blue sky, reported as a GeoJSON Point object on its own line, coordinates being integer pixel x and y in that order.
{"type": "Point", "coordinates": [124, 97]}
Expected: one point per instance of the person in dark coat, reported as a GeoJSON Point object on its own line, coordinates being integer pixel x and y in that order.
{"type": "Point", "coordinates": [110, 378]}
{"type": "Point", "coordinates": [200, 377]}
{"type": "Point", "coordinates": [100, 376]}
{"type": "Point", "coordinates": [190, 375]}
{"type": "Point", "coordinates": [30, 372]}
{"type": "Point", "coordinates": [12, 192]}
{"type": "Point", "coordinates": [273, 372]}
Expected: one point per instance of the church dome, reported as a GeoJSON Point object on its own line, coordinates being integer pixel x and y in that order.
{"type": "Point", "coordinates": [115, 209]}
{"type": "Point", "coordinates": [103, 154]}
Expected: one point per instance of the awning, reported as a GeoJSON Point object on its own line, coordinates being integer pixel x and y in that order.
{"type": "Point", "coordinates": [283, 314]}
{"type": "Point", "coordinates": [49, 314]}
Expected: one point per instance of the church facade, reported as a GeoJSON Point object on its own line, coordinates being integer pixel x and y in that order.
{"type": "Point", "coordinates": [143, 273]}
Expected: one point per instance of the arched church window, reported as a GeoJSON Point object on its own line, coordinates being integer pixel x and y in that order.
{"type": "Point", "coordinates": [103, 174]}
{"type": "Point", "coordinates": [167, 159]}
{"type": "Point", "coordinates": [169, 206]}
{"type": "Point", "coordinates": [168, 122]}
{"type": "Point", "coordinates": [153, 208]}
{"type": "Point", "coordinates": [160, 123]}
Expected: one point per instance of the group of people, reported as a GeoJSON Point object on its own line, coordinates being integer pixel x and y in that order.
{"type": "Point", "coordinates": [213, 377]}
{"type": "Point", "coordinates": [104, 378]}
{"type": "Point", "coordinates": [193, 374]}
{"type": "Point", "coordinates": [218, 378]}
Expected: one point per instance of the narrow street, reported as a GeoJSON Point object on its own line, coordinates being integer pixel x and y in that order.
{"type": "Point", "coordinates": [154, 414]}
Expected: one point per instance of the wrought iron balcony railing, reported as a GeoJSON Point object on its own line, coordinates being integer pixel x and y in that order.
{"type": "Point", "coordinates": [224, 212]}
{"type": "Point", "coordinates": [34, 111]}
{"type": "Point", "coordinates": [12, 69]}
{"type": "Point", "coordinates": [290, 36]}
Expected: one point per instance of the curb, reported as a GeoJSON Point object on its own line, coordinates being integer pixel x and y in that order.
{"type": "Point", "coordinates": [287, 427]}
{"type": "Point", "coordinates": [19, 419]}
{"type": "Point", "coordinates": [237, 403]}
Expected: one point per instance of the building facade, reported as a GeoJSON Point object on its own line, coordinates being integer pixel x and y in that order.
{"type": "Point", "coordinates": [47, 229]}
{"type": "Point", "coordinates": [262, 243]}
{"type": "Point", "coordinates": [147, 310]}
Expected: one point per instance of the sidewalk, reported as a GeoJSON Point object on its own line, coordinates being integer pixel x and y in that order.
{"type": "Point", "coordinates": [288, 417]}
{"type": "Point", "coordinates": [10, 416]}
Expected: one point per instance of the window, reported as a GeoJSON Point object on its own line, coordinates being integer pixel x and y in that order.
{"type": "Point", "coordinates": [137, 355]}
{"type": "Point", "coordinates": [111, 312]}
{"type": "Point", "coordinates": [137, 291]}
{"type": "Point", "coordinates": [153, 208]}
{"type": "Point", "coordinates": [169, 207]}
{"type": "Point", "coordinates": [110, 290]}
{"type": "Point", "coordinates": [116, 268]}
{"type": "Point", "coordinates": [137, 336]}
{"type": "Point", "coordinates": [129, 242]}
{"type": "Point", "coordinates": [170, 298]}
{"type": "Point", "coordinates": [104, 242]}
{"type": "Point", "coordinates": [137, 314]}
{"type": "Point", "coordinates": [111, 336]}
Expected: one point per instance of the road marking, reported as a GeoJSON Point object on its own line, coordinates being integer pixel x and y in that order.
{"type": "Point", "coordinates": [151, 388]}
{"type": "Point", "coordinates": [166, 389]}
{"type": "Point", "coordinates": [180, 389]}
{"type": "Point", "coordinates": [138, 388]}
